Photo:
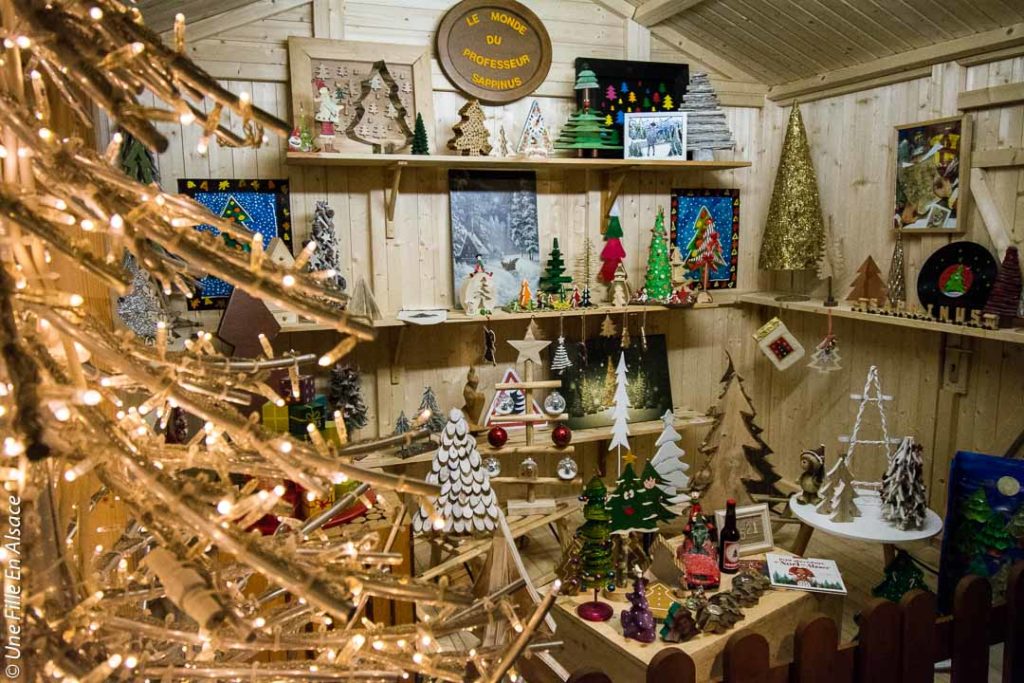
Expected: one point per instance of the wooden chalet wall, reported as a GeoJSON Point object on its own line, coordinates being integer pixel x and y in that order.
{"type": "Point", "coordinates": [850, 138]}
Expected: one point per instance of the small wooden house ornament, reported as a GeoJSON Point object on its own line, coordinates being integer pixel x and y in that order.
{"type": "Point", "coordinates": [778, 344]}
{"type": "Point", "coordinates": [278, 252]}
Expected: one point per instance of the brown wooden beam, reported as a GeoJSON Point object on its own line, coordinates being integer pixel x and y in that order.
{"type": "Point", "coordinates": [656, 11]}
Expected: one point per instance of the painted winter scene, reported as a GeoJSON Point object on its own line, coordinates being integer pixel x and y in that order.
{"type": "Point", "coordinates": [494, 217]}
{"type": "Point", "coordinates": [706, 230]}
{"type": "Point", "coordinates": [655, 136]}
{"type": "Point", "coordinates": [589, 388]}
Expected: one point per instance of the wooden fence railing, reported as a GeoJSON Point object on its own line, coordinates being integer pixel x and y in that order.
{"type": "Point", "coordinates": [898, 643]}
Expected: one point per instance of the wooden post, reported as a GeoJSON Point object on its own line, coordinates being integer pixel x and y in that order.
{"type": "Point", "coordinates": [746, 658]}
{"type": "Point", "coordinates": [972, 603]}
{"type": "Point", "coordinates": [917, 663]}
{"type": "Point", "coordinates": [814, 650]}
{"type": "Point", "coordinates": [671, 665]}
{"type": "Point", "coordinates": [1013, 648]}
{"type": "Point", "coordinates": [879, 649]}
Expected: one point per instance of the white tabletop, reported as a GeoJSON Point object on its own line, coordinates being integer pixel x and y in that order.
{"type": "Point", "coordinates": [870, 526]}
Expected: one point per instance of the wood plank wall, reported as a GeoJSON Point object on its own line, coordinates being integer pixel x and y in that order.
{"type": "Point", "coordinates": [850, 137]}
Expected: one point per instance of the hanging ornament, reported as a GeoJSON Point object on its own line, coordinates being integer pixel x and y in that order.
{"type": "Point", "coordinates": [561, 435]}
{"type": "Point", "coordinates": [778, 344]}
{"type": "Point", "coordinates": [528, 468]}
{"type": "Point", "coordinates": [554, 403]}
{"type": "Point", "coordinates": [581, 346]}
{"type": "Point", "coordinates": [625, 341]}
{"type": "Point", "coordinates": [643, 332]}
{"type": "Point", "coordinates": [497, 437]}
{"type": "Point", "coordinates": [826, 356]}
{"type": "Point", "coordinates": [492, 466]}
{"type": "Point", "coordinates": [567, 469]}
{"type": "Point", "coordinates": [560, 358]}
{"type": "Point", "coordinates": [897, 284]}
{"type": "Point", "coordinates": [490, 341]}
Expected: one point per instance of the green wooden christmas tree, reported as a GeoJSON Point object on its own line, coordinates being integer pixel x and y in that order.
{"type": "Point", "coordinates": [658, 285]}
{"type": "Point", "coordinates": [585, 129]}
{"type": "Point", "coordinates": [653, 499]}
{"type": "Point", "coordinates": [901, 577]}
{"type": "Point", "coordinates": [554, 277]}
{"type": "Point", "coordinates": [594, 554]}
{"type": "Point", "coordinates": [420, 144]}
{"type": "Point", "coordinates": [626, 504]}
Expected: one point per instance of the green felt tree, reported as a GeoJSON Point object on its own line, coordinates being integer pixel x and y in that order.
{"type": "Point", "coordinates": [625, 504]}
{"type": "Point", "coordinates": [653, 499]}
{"type": "Point", "coordinates": [595, 551]}
{"type": "Point", "coordinates": [901, 576]}
{"type": "Point", "coordinates": [420, 144]}
{"type": "Point", "coordinates": [659, 272]}
{"type": "Point", "coordinates": [554, 277]}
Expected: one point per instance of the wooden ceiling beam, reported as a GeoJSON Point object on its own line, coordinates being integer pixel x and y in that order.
{"type": "Point", "coordinates": [253, 11]}
{"type": "Point", "coordinates": [656, 11]}
{"type": "Point", "coordinates": [702, 54]}
{"type": "Point", "coordinates": [949, 50]}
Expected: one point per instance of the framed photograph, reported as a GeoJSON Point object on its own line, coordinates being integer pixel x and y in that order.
{"type": "Point", "coordinates": [494, 217]}
{"type": "Point", "coordinates": [706, 231]}
{"type": "Point", "coordinates": [626, 86]}
{"type": "Point", "coordinates": [755, 527]}
{"type": "Point", "coordinates": [350, 102]}
{"type": "Point", "coordinates": [931, 175]}
{"type": "Point", "coordinates": [660, 135]}
{"type": "Point", "coordinates": [588, 386]}
{"type": "Point", "coordinates": [257, 205]}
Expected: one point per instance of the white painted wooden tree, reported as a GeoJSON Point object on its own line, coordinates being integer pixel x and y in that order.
{"type": "Point", "coordinates": [668, 462]}
{"type": "Point", "coordinates": [620, 411]}
{"type": "Point", "coordinates": [467, 504]}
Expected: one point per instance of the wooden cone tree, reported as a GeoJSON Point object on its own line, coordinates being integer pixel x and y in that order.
{"type": "Point", "coordinates": [1004, 300]}
{"type": "Point", "coordinates": [735, 464]}
{"type": "Point", "coordinates": [869, 283]}
{"type": "Point", "coordinates": [471, 136]}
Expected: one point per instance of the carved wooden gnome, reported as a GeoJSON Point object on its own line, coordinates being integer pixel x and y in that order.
{"type": "Point", "coordinates": [467, 504]}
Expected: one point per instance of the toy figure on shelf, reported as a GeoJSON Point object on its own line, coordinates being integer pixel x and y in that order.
{"type": "Point", "coordinates": [637, 621]}
{"type": "Point", "coordinates": [595, 553]}
{"type": "Point", "coordinates": [327, 117]}
{"type": "Point", "coordinates": [699, 551]}
{"type": "Point", "coordinates": [812, 462]}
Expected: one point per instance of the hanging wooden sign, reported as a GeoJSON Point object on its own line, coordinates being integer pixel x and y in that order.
{"type": "Point", "coordinates": [497, 51]}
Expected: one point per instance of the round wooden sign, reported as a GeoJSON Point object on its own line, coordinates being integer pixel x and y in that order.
{"type": "Point", "coordinates": [497, 51]}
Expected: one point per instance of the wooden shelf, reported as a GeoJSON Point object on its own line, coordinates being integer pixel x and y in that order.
{"type": "Point", "coordinates": [843, 310]}
{"type": "Point", "coordinates": [560, 163]}
{"type": "Point", "coordinates": [724, 297]}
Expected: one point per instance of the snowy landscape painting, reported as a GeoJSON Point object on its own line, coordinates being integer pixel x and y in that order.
{"type": "Point", "coordinates": [494, 217]}
{"type": "Point", "coordinates": [589, 388]}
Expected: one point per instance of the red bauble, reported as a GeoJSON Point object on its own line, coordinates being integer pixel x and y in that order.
{"type": "Point", "coordinates": [497, 437]}
{"type": "Point", "coordinates": [561, 435]}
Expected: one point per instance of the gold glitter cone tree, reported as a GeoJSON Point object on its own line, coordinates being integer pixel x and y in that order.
{"type": "Point", "coordinates": [794, 231]}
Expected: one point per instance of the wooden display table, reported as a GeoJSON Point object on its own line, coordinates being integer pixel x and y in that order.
{"type": "Point", "coordinates": [601, 644]}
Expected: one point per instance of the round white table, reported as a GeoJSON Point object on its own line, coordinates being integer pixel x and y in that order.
{"type": "Point", "coordinates": [870, 526]}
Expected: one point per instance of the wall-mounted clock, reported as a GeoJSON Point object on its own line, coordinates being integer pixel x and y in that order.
{"type": "Point", "coordinates": [958, 275]}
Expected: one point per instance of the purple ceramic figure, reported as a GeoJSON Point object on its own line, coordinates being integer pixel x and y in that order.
{"type": "Point", "coordinates": [637, 621]}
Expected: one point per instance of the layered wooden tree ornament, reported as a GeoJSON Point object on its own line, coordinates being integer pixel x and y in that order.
{"type": "Point", "coordinates": [467, 505]}
{"type": "Point", "coordinates": [471, 136]}
{"type": "Point", "coordinates": [1005, 299]}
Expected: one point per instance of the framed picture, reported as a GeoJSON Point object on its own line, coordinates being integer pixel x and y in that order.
{"type": "Point", "coordinates": [650, 135]}
{"type": "Point", "coordinates": [755, 527]}
{"type": "Point", "coordinates": [626, 86]}
{"type": "Point", "coordinates": [588, 386]}
{"type": "Point", "coordinates": [984, 531]}
{"type": "Point", "coordinates": [354, 104]}
{"type": "Point", "coordinates": [257, 205]}
{"type": "Point", "coordinates": [494, 218]}
{"type": "Point", "coordinates": [930, 180]}
{"type": "Point", "coordinates": [706, 230]}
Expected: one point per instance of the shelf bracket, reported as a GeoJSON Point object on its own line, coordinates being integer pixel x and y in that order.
{"type": "Point", "coordinates": [396, 357]}
{"type": "Point", "coordinates": [391, 201]}
{"type": "Point", "coordinates": [613, 186]}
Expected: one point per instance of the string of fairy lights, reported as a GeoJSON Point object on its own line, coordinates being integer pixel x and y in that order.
{"type": "Point", "coordinates": [173, 596]}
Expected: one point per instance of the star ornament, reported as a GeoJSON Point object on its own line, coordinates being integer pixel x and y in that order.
{"type": "Point", "coordinates": [529, 347]}
{"type": "Point", "coordinates": [629, 458]}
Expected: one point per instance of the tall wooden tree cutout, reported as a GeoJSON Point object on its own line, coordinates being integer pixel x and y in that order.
{"type": "Point", "coordinates": [868, 284]}
{"type": "Point", "coordinates": [735, 456]}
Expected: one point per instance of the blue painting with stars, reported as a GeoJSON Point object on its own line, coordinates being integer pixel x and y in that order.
{"type": "Point", "coordinates": [707, 221]}
{"type": "Point", "coordinates": [256, 205]}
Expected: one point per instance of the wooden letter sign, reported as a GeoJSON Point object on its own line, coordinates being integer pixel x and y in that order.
{"type": "Point", "coordinates": [497, 51]}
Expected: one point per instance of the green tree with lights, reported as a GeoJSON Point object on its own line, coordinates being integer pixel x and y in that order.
{"type": "Point", "coordinates": [659, 272]}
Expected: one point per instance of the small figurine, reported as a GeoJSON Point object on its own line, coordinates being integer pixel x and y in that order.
{"type": "Point", "coordinates": [637, 621]}
{"type": "Point", "coordinates": [813, 464]}
{"type": "Point", "coordinates": [474, 399]}
{"type": "Point", "coordinates": [679, 625]}
{"type": "Point", "coordinates": [699, 551]}
{"type": "Point", "coordinates": [327, 117]}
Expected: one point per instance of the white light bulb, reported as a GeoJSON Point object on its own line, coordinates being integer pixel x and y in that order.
{"type": "Point", "coordinates": [96, 13]}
